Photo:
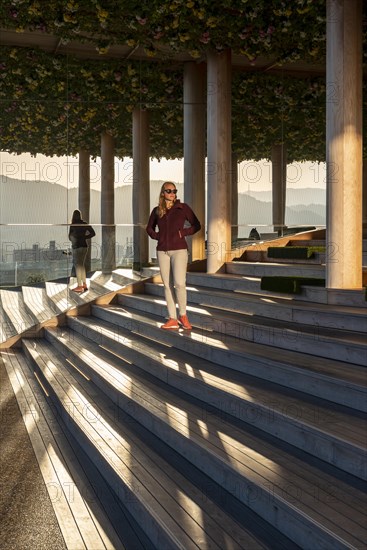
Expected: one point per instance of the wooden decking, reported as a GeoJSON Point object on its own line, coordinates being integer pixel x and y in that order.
{"type": "Point", "coordinates": [31, 307]}
{"type": "Point", "coordinates": [247, 432]}
{"type": "Point", "coordinates": [77, 501]}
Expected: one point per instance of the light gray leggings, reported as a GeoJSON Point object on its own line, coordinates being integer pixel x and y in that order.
{"type": "Point", "coordinates": [79, 255]}
{"type": "Point", "coordinates": [173, 267]}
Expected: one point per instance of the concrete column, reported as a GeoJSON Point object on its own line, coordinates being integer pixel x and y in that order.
{"type": "Point", "coordinates": [344, 144]}
{"type": "Point", "coordinates": [194, 151]}
{"type": "Point", "coordinates": [108, 203]}
{"type": "Point", "coordinates": [141, 186]}
{"type": "Point", "coordinates": [279, 185]}
{"type": "Point", "coordinates": [234, 197]}
{"type": "Point", "coordinates": [84, 184]}
{"type": "Point", "coordinates": [364, 197]}
{"type": "Point", "coordinates": [84, 194]}
{"type": "Point", "coordinates": [219, 159]}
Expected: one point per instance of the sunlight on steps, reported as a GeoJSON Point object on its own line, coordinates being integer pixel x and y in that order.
{"type": "Point", "coordinates": [253, 410]}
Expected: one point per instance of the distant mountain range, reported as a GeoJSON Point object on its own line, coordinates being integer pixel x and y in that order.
{"type": "Point", "coordinates": [41, 202]}
{"type": "Point", "coordinates": [254, 212]}
{"type": "Point", "coordinates": [304, 196]}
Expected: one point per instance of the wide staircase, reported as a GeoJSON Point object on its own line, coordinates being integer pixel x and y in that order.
{"type": "Point", "coordinates": [247, 432]}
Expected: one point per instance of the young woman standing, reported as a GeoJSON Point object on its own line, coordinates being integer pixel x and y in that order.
{"type": "Point", "coordinates": [79, 232]}
{"type": "Point", "coordinates": [175, 220]}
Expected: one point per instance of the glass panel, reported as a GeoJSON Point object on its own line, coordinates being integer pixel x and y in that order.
{"type": "Point", "coordinates": [27, 257]}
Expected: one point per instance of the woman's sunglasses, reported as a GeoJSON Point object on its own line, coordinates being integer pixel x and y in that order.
{"type": "Point", "coordinates": [169, 191]}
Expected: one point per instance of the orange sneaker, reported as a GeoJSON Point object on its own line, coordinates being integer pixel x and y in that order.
{"type": "Point", "coordinates": [171, 323]}
{"type": "Point", "coordinates": [78, 289]}
{"type": "Point", "coordinates": [183, 320]}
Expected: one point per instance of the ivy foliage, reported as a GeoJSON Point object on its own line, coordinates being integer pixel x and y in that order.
{"type": "Point", "coordinates": [58, 104]}
{"type": "Point", "coordinates": [290, 30]}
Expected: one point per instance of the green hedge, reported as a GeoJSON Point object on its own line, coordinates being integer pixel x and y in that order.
{"type": "Point", "coordinates": [290, 285]}
{"type": "Point", "coordinates": [294, 252]}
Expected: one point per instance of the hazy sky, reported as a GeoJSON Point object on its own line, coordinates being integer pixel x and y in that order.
{"type": "Point", "coordinates": [255, 176]}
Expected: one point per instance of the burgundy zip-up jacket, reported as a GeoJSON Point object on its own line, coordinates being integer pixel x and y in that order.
{"type": "Point", "coordinates": [172, 228]}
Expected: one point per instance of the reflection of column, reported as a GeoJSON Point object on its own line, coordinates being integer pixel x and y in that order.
{"type": "Point", "coordinates": [84, 194]}
{"type": "Point", "coordinates": [279, 182]}
{"type": "Point", "coordinates": [194, 151]}
{"type": "Point", "coordinates": [219, 158]}
{"type": "Point", "coordinates": [141, 185]}
{"type": "Point", "coordinates": [234, 197]}
{"type": "Point", "coordinates": [344, 144]}
{"type": "Point", "coordinates": [108, 203]}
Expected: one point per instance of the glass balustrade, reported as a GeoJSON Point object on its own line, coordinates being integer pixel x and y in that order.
{"type": "Point", "coordinates": [34, 254]}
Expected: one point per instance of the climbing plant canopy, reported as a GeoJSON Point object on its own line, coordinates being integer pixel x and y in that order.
{"type": "Point", "coordinates": [57, 104]}
{"type": "Point", "coordinates": [290, 30]}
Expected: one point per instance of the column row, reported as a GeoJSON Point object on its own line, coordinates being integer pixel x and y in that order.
{"type": "Point", "coordinates": [207, 117]}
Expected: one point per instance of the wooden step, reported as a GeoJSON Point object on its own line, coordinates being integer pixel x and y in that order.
{"type": "Point", "coordinates": [38, 303]}
{"type": "Point", "coordinates": [124, 277]}
{"type": "Point", "coordinates": [319, 376]}
{"type": "Point", "coordinates": [16, 311]}
{"type": "Point", "coordinates": [277, 308]}
{"type": "Point", "coordinates": [61, 297]}
{"type": "Point", "coordinates": [264, 477]}
{"type": "Point", "coordinates": [260, 255]}
{"type": "Point", "coordinates": [336, 344]}
{"type": "Point", "coordinates": [80, 506]}
{"type": "Point", "coordinates": [147, 326]}
{"type": "Point", "coordinates": [251, 285]}
{"type": "Point", "coordinates": [104, 281]}
{"type": "Point", "coordinates": [259, 269]}
{"type": "Point", "coordinates": [7, 329]}
{"type": "Point", "coordinates": [167, 506]}
{"type": "Point", "coordinates": [312, 425]}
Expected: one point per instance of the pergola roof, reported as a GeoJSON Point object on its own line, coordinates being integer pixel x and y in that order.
{"type": "Point", "coordinates": [71, 70]}
{"type": "Point", "coordinates": [86, 50]}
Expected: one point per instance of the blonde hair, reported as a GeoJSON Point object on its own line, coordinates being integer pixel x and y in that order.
{"type": "Point", "coordinates": [162, 208]}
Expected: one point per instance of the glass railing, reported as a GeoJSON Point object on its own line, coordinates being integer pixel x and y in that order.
{"type": "Point", "coordinates": [34, 254]}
